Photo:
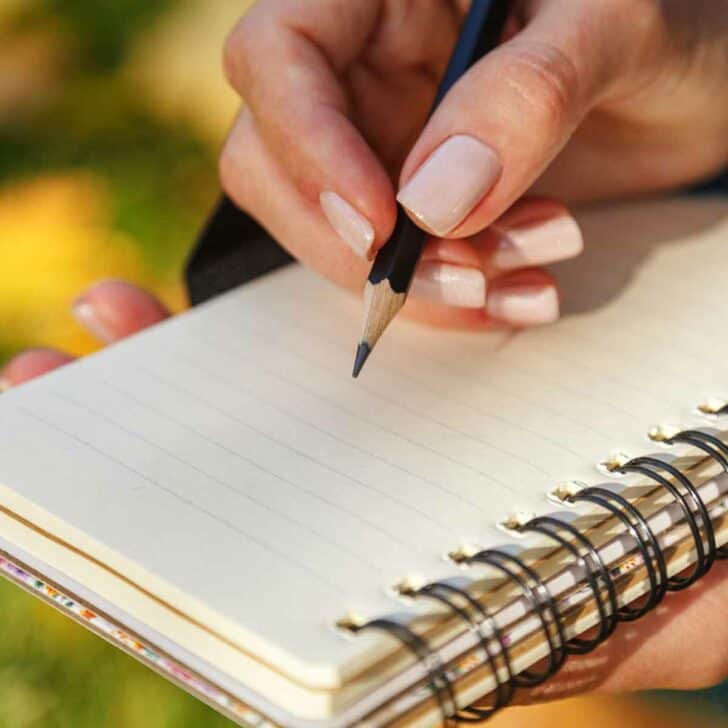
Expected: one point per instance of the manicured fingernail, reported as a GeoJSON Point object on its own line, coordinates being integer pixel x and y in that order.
{"type": "Point", "coordinates": [453, 285]}
{"type": "Point", "coordinates": [524, 305]}
{"type": "Point", "coordinates": [450, 183]}
{"type": "Point", "coordinates": [4, 384]}
{"type": "Point", "coordinates": [352, 227]}
{"type": "Point", "coordinates": [547, 241]}
{"type": "Point", "coordinates": [88, 317]}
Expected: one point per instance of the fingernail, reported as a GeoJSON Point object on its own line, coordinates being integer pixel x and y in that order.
{"type": "Point", "coordinates": [524, 305]}
{"type": "Point", "coordinates": [450, 183]}
{"type": "Point", "coordinates": [351, 226]}
{"type": "Point", "coordinates": [453, 285]}
{"type": "Point", "coordinates": [88, 317]}
{"type": "Point", "coordinates": [4, 384]}
{"type": "Point", "coordinates": [537, 243]}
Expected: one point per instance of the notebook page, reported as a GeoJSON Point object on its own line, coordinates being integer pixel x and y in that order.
{"type": "Point", "coordinates": [226, 461]}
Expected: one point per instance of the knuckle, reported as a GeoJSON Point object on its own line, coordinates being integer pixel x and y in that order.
{"type": "Point", "coordinates": [239, 52]}
{"type": "Point", "coordinates": [230, 57]}
{"type": "Point", "coordinates": [546, 81]}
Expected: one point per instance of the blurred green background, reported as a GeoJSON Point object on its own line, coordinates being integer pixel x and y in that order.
{"type": "Point", "coordinates": [110, 118]}
{"type": "Point", "coordinates": [111, 115]}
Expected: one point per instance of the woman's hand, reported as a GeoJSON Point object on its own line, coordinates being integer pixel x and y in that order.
{"type": "Point", "coordinates": [110, 310]}
{"type": "Point", "coordinates": [583, 100]}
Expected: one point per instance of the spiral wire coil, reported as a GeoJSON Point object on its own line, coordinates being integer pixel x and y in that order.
{"type": "Point", "coordinates": [478, 619]}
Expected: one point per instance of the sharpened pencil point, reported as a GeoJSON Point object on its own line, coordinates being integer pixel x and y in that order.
{"type": "Point", "coordinates": [362, 354]}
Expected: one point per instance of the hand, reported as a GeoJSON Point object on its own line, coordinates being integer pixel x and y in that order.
{"type": "Point", "coordinates": [682, 644]}
{"type": "Point", "coordinates": [583, 100]}
{"type": "Point", "coordinates": [110, 310]}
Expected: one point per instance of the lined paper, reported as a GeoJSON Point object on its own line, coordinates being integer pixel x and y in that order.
{"type": "Point", "coordinates": [228, 455]}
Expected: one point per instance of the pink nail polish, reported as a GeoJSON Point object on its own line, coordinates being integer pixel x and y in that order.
{"type": "Point", "coordinates": [546, 241]}
{"type": "Point", "coordinates": [524, 305]}
{"type": "Point", "coordinates": [449, 284]}
{"type": "Point", "coordinates": [450, 183]}
{"type": "Point", "coordinates": [88, 317]}
{"type": "Point", "coordinates": [351, 226]}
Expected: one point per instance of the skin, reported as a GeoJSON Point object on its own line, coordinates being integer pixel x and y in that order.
{"type": "Point", "coordinates": [626, 96]}
{"type": "Point", "coordinates": [583, 100]}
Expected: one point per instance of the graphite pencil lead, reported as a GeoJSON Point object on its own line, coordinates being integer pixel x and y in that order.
{"type": "Point", "coordinates": [362, 354]}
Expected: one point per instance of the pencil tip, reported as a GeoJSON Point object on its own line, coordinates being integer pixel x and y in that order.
{"type": "Point", "coordinates": [362, 354]}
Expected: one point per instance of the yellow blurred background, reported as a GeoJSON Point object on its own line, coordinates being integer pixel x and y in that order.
{"type": "Point", "coordinates": [110, 118]}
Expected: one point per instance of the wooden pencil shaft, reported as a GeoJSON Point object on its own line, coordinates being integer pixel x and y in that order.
{"type": "Point", "coordinates": [382, 304]}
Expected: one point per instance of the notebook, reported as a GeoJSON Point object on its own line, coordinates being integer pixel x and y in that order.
{"type": "Point", "coordinates": [219, 498]}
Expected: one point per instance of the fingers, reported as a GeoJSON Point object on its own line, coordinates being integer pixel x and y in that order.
{"type": "Point", "coordinates": [111, 310]}
{"type": "Point", "coordinates": [259, 184]}
{"type": "Point", "coordinates": [463, 283]}
{"type": "Point", "coordinates": [522, 299]}
{"type": "Point", "coordinates": [454, 296]}
{"type": "Point", "coordinates": [494, 271]}
{"type": "Point", "coordinates": [284, 59]}
{"type": "Point", "coordinates": [456, 278]}
{"type": "Point", "coordinates": [451, 287]}
{"type": "Point", "coordinates": [31, 364]}
{"type": "Point", "coordinates": [535, 231]}
{"type": "Point", "coordinates": [508, 117]}
{"type": "Point", "coordinates": [312, 189]}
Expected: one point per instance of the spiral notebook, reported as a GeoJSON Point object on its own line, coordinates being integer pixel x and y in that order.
{"type": "Point", "coordinates": [217, 497]}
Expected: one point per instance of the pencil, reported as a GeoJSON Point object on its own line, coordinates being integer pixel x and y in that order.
{"type": "Point", "coordinates": [391, 275]}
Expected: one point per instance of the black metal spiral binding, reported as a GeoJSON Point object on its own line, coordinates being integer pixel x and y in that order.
{"type": "Point", "coordinates": [598, 577]}
{"type": "Point", "coordinates": [543, 604]}
{"type": "Point", "coordinates": [715, 448]}
{"type": "Point", "coordinates": [438, 679]}
{"type": "Point", "coordinates": [443, 592]}
{"type": "Point", "coordinates": [708, 443]}
{"type": "Point", "coordinates": [646, 543]}
{"type": "Point", "coordinates": [649, 467]}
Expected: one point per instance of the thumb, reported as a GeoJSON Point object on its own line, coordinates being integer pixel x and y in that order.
{"type": "Point", "coordinates": [508, 117]}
